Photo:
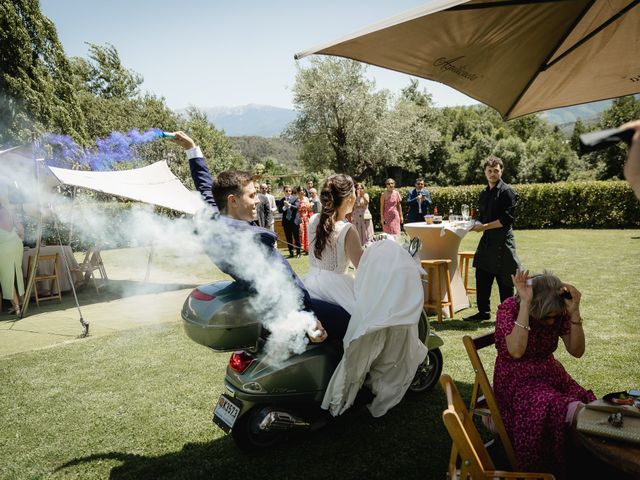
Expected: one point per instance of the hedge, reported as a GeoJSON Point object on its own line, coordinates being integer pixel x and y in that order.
{"type": "Point", "coordinates": [609, 204]}
{"type": "Point", "coordinates": [597, 204]}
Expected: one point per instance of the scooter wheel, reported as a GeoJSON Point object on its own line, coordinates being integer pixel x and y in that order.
{"type": "Point", "coordinates": [428, 372]}
{"type": "Point", "coordinates": [248, 436]}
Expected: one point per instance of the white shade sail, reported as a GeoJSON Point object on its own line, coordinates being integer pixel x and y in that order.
{"type": "Point", "coordinates": [154, 184]}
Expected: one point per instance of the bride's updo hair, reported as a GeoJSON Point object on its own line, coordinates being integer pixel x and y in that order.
{"type": "Point", "coordinates": [334, 191]}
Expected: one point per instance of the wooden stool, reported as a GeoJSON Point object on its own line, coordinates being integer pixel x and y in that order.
{"type": "Point", "coordinates": [463, 264]}
{"type": "Point", "coordinates": [437, 271]}
{"type": "Point", "coordinates": [43, 277]}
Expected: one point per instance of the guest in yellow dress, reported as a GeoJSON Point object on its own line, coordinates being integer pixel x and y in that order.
{"type": "Point", "coordinates": [11, 235]}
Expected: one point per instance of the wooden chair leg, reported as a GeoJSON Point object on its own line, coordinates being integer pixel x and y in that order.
{"type": "Point", "coordinates": [57, 280]}
{"type": "Point", "coordinates": [35, 289]}
{"type": "Point", "coordinates": [95, 283]}
{"type": "Point", "coordinates": [449, 294]}
{"type": "Point", "coordinates": [438, 292]}
{"type": "Point", "coordinates": [466, 275]}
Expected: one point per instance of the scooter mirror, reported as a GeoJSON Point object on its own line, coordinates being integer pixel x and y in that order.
{"type": "Point", "coordinates": [414, 246]}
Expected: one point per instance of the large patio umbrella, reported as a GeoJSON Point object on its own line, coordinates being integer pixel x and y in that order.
{"type": "Point", "coordinates": [518, 56]}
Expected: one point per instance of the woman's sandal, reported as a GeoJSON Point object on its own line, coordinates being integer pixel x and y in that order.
{"type": "Point", "coordinates": [15, 311]}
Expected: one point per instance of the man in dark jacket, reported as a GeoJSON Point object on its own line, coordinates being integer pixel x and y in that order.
{"type": "Point", "coordinates": [265, 217]}
{"type": "Point", "coordinates": [495, 256]}
{"type": "Point", "coordinates": [233, 196]}
{"type": "Point", "coordinates": [419, 202]}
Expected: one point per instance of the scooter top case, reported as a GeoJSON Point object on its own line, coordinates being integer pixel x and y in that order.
{"type": "Point", "coordinates": [219, 316]}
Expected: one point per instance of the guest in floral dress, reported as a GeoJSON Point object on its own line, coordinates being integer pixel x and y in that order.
{"type": "Point", "coordinates": [362, 219]}
{"type": "Point", "coordinates": [537, 398]}
{"type": "Point", "coordinates": [304, 213]}
{"type": "Point", "coordinates": [391, 209]}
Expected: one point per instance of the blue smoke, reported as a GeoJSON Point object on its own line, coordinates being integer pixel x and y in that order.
{"type": "Point", "coordinates": [113, 149]}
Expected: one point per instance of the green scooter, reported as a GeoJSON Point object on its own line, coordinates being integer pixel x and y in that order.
{"type": "Point", "coordinates": [264, 403]}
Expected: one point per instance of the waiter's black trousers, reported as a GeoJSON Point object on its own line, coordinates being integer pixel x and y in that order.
{"type": "Point", "coordinates": [484, 282]}
{"type": "Point", "coordinates": [292, 234]}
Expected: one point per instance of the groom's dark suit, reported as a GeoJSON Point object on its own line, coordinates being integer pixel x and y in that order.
{"type": "Point", "coordinates": [333, 318]}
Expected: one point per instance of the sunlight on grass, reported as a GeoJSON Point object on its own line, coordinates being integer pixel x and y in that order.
{"type": "Point", "coordinates": [137, 404]}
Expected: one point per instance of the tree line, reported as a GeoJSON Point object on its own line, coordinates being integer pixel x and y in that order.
{"type": "Point", "coordinates": [344, 125]}
{"type": "Point", "coordinates": [42, 90]}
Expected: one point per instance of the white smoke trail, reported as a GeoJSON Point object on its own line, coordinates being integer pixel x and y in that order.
{"type": "Point", "coordinates": [277, 301]}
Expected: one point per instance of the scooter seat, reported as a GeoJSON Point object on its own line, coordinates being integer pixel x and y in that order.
{"type": "Point", "coordinates": [334, 318]}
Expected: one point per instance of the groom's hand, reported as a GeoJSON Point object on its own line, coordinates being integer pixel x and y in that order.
{"type": "Point", "coordinates": [184, 140]}
{"type": "Point", "coordinates": [321, 338]}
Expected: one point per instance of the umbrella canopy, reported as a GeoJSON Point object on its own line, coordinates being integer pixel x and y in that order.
{"type": "Point", "coordinates": [517, 56]}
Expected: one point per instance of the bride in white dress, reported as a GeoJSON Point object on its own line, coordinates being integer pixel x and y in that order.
{"type": "Point", "coordinates": [384, 300]}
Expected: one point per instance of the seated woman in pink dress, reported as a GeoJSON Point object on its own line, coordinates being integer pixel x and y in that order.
{"type": "Point", "coordinates": [537, 398]}
{"type": "Point", "coordinates": [391, 209]}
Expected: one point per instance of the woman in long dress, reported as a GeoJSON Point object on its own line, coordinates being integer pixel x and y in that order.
{"type": "Point", "coordinates": [537, 398]}
{"type": "Point", "coordinates": [391, 209]}
{"type": "Point", "coordinates": [304, 214]}
{"type": "Point", "coordinates": [362, 216]}
{"type": "Point", "coordinates": [384, 300]}
{"type": "Point", "coordinates": [11, 282]}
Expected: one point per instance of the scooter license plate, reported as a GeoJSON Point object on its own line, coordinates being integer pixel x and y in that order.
{"type": "Point", "coordinates": [226, 412]}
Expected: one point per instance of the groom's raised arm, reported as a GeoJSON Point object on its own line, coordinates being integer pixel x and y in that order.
{"type": "Point", "coordinates": [199, 171]}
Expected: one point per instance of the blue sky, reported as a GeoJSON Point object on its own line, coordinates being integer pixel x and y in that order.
{"type": "Point", "coordinates": [225, 53]}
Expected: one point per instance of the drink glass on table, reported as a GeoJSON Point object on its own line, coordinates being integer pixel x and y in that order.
{"type": "Point", "coordinates": [465, 212]}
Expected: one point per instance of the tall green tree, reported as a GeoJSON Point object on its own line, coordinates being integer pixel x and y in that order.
{"type": "Point", "coordinates": [340, 111]}
{"type": "Point", "coordinates": [109, 95]}
{"type": "Point", "coordinates": [409, 135]}
{"type": "Point", "coordinates": [218, 151]}
{"type": "Point", "coordinates": [104, 75]}
{"type": "Point", "coordinates": [36, 90]}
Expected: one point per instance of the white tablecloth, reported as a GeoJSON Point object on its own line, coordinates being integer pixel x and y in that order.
{"type": "Point", "coordinates": [47, 267]}
{"type": "Point", "coordinates": [442, 241]}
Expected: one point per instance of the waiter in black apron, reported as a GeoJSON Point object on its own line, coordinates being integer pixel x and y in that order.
{"type": "Point", "coordinates": [496, 256]}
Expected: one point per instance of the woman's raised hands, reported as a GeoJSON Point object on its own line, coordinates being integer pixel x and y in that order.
{"type": "Point", "coordinates": [523, 285]}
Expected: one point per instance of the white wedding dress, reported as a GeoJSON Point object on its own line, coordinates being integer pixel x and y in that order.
{"type": "Point", "coordinates": [385, 302]}
{"type": "Point", "coordinates": [328, 278]}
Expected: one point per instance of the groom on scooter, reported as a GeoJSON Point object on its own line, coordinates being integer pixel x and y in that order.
{"type": "Point", "coordinates": [232, 194]}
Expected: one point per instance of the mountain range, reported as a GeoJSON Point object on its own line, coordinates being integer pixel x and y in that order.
{"type": "Point", "coordinates": [250, 120]}
{"type": "Point", "coordinates": [269, 121]}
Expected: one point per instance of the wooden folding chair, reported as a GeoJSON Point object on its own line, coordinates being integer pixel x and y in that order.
{"type": "Point", "coordinates": [52, 278]}
{"type": "Point", "coordinates": [475, 462]}
{"type": "Point", "coordinates": [93, 262]}
{"type": "Point", "coordinates": [483, 403]}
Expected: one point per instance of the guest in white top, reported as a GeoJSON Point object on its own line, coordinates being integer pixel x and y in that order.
{"type": "Point", "coordinates": [264, 189]}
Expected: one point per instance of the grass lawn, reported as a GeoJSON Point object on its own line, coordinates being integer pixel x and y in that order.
{"type": "Point", "coordinates": [137, 403]}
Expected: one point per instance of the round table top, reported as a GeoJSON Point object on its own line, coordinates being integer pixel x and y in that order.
{"type": "Point", "coordinates": [624, 456]}
{"type": "Point", "coordinates": [443, 224]}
